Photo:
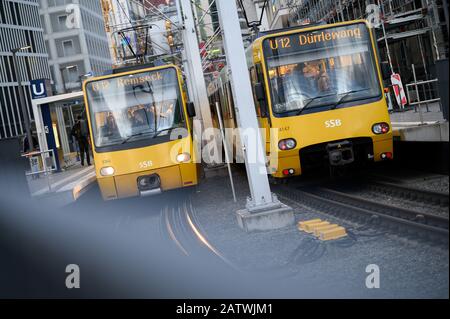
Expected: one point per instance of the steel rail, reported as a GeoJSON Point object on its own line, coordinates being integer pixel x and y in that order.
{"type": "Point", "coordinates": [413, 193]}
{"type": "Point", "coordinates": [350, 207]}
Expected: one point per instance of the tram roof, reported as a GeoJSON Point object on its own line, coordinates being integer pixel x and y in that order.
{"type": "Point", "coordinates": [135, 67]}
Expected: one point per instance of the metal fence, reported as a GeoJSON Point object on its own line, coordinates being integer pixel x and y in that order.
{"type": "Point", "coordinates": [422, 92]}
{"type": "Point", "coordinates": [41, 163]}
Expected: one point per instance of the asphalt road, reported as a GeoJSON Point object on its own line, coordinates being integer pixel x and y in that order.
{"type": "Point", "coordinates": [187, 244]}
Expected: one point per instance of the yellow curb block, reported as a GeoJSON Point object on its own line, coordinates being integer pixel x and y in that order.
{"type": "Point", "coordinates": [320, 229]}
{"type": "Point", "coordinates": [302, 225]}
{"type": "Point", "coordinates": [312, 227]}
{"type": "Point", "coordinates": [334, 233]}
{"type": "Point", "coordinates": [323, 230]}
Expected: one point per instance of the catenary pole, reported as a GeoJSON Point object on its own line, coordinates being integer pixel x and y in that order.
{"type": "Point", "coordinates": [195, 65]}
{"type": "Point", "coordinates": [262, 202]}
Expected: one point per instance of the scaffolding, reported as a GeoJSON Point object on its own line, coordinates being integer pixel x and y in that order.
{"type": "Point", "coordinates": [140, 31]}
{"type": "Point", "coordinates": [412, 32]}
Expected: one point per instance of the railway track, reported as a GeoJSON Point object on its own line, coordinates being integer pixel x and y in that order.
{"type": "Point", "coordinates": [178, 224]}
{"type": "Point", "coordinates": [410, 193]}
{"type": "Point", "coordinates": [413, 224]}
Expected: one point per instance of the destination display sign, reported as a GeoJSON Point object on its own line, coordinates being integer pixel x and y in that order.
{"type": "Point", "coordinates": [318, 38]}
{"type": "Point", "coordinates": [133, 79]}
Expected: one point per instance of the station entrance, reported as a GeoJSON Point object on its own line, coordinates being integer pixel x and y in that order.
{"type": "Point", "coordinates": [55, 116]}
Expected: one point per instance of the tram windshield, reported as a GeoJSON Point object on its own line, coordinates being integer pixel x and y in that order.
{"type": "Point", "coordinates": [321, 70]}
{"type": "Point", "coordinates": [135, 107]}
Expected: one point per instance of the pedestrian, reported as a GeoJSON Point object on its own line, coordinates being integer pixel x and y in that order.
{"type": "Point", "coordinates": [26, 145]}
{"type": "Point", "coordinates": [81, 133]}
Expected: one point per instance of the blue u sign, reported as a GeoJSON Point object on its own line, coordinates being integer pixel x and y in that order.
{"type": "Point", "coordinates": [40, 88]}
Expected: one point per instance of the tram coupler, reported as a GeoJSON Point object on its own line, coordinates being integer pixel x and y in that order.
{"type": "Point", "coordinates": [149, 185]}
{"type": "Point", "coordinates": [340, 153]}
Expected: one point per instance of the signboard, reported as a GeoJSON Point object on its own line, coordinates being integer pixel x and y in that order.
{"type": "Point", "coordinates": [40, 88]}
{"type": "Point", "coordinates": [398, 90]}
{"type": "Point", "coordinates": [317, 39]}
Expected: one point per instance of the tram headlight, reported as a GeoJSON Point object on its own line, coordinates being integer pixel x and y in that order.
{"type": "Point", "coordinates": [287, 144]}
{"type": "Point", "coordinates": [381, 128]}
{"type": "Point", "coordinates": [183, 158]}
{"type": "Point", "coordinates": [107, 171]}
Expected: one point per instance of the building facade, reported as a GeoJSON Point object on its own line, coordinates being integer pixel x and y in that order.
{"type": "Point", "coordinates": [76, 41]}
{"type": "Point", "coordinates": [20, 26]}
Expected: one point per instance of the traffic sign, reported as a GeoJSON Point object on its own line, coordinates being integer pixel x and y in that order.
{"type": "Point", "coordinates": [40, 88]}
{"type": "Point", "coordinates": [398, 89]}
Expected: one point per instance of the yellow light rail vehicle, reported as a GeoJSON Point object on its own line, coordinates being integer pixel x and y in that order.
{"type": "Point", "coordinates": [140, 131]}
{"type": "Point", "coordinates": [321, 87]}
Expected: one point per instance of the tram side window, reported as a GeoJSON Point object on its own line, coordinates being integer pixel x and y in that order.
{"type": "Point", "coordinates": [256, 77]}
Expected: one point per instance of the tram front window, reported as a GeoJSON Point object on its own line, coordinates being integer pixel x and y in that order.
{"type": "Point", "coordinates": [319, 70]}
{"type": "Point", "coordinates": [135, 107]}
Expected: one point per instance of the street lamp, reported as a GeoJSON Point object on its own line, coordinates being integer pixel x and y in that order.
{"type": "Point", "coordinates": [83, 77]}
{"type": "Point", "coordinates": [22, 97]}
{"type": "Point", "coordinates": [62, 75]}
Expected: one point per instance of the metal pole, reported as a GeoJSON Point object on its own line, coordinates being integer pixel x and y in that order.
{"type": "Point", "coordinates": [166, 17]}
{"type": "Point", "coordinates": [417, 93]}
{"type": "Point", "coordinates": [195, 62]}
{"type": "Point", "coordinates": [22, 103]}
{"type": "Point", "coordinates": [206, 12]}
{"type": "Point", "coordinates": [47, 175]}
{"type": "Point", "coordinates": [225, 147]}
{"type": "Point", "coordinates": [341, 12]}
{"type": "Point", "coordinates": [63, 80]}
{"type": "Point", "coordinates": [388, 53]}
{"type": "Point", "coordinates": [433, 27]}
{"type": "Point", "coordinates": [196, 77]}
{"type": "Point", "coordinates": [261, 195]}
{"type": "Point", "coordinates": [445, 8]}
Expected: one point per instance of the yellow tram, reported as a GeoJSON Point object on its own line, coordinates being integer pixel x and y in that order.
{"type": "Point", "coordinates": [140, 130]}
{"type": "Point", "coordinates": [321, 88]}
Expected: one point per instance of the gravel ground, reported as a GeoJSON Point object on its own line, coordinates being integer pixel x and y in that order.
{"type": "Point", "coordinates": [419, 179]}
{"type": "Point", "coordinates": [408, 269]}
{"type": "Point", "coordinates": [417, 206]}
{"type": "Point", "coordinates": [439, 184]}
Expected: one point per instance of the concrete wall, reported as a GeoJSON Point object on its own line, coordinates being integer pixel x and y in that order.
{"type": "Point", "coordinates": [12, 171]}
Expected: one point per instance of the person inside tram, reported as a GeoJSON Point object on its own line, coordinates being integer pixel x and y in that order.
{"type": "Point", "coordinates": [169, 112]}
{"type": "Point", "coordinates": [295, 88]}
{"type": "Point", "coordinates": [137, 118]}
{"type": "Point", "coordinates": [110, 128]}
{"type": "Point", "coordinates": [166, 116]}
{"type": "Point", "coordinates": [323, 82]}
{"type": "Point", "coordinates": [311, 73]}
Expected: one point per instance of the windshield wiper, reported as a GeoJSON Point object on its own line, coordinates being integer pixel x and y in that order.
{"type": "Point", "coordinates": [311, 101]}
{"type": "Point", "coordinates": [133, 136]}
{"type": "Point", "coordinates": [163, 131]}
{"type": "Point", "coordinates": [346, 94]}
{"type": "Point", "coordinates": [166, 130]}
